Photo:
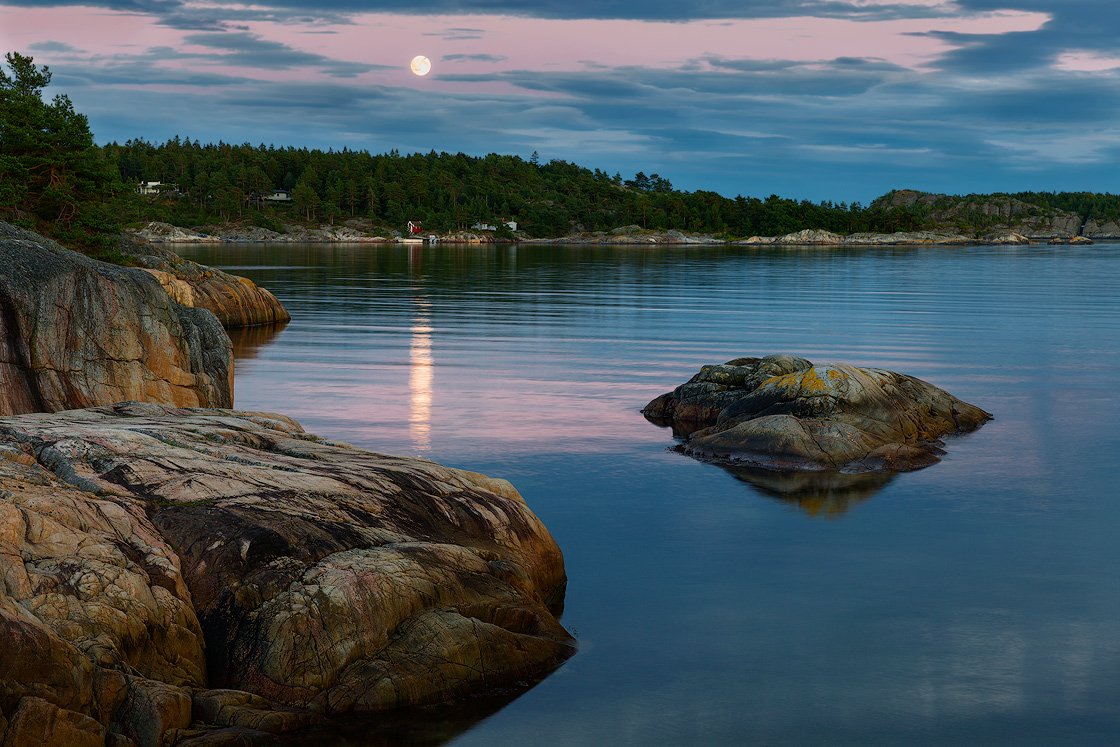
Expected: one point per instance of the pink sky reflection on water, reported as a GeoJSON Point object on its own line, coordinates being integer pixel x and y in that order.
{"type": "Point", "coordinates": [420, 403]}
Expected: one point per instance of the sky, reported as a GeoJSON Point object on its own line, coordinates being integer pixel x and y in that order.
{"type": "Point", "coordinates": [811, 99]}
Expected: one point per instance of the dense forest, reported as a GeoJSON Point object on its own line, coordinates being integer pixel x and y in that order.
{"type": "Point", "coordinates": [205, 184]}
{"type": "Point", "coordinates": [53, 178]}
{"type": "Point", "coordinates": [213, 183]}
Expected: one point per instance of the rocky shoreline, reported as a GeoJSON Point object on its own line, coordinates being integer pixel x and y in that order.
{"type": "Point", "coordinates": [157, 233]}
{"type": "Point", "coordinates": [174, 572]}
{"type": "Point", "coordinates": [165, 233]}
{"type": "Point", "coordinates": [808, 237]}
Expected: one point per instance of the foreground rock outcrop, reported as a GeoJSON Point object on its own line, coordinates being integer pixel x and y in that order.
{"type": "Point", "coordinates": [149, 555]}
{"type": "Point", "coordinates": [783, 413]}
{"type": "Point", "coordinates": [75, 332]}
{"type": "Point", "coordinates": [235, 300]}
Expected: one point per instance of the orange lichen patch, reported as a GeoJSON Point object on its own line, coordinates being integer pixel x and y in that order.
{"type": "Point", "coordinates": [818, 380]}
{"type": "Point", "coordinates": [812, 383]}
{"type": "Point", "coordinates": [800, 382]}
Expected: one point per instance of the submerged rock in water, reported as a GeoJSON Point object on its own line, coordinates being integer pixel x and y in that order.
{"type": "Point", "coordinates": [75, 332]}
{"type": "Point", "coordinates": [783, 413]}
{"type": "Point", "coordinates": [148, 553]}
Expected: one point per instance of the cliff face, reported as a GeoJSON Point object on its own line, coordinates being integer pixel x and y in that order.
{"type": "Point", "coordinates": [75, 332]}
{"type": "Point", "coordinates": [1101, 229]}
{"type": "Point", "coordinates": [236, 301]}
{"type": "Point", "coordinates": [148, 552]}
{"type": "Point", "coordinates": [984, 214]}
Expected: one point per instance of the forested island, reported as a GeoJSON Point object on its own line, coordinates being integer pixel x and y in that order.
{"type": "Point", "coordinates": [55, 179]}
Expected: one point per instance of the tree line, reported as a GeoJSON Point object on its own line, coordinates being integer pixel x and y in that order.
{"type": "Point", "coordinates": [55, 179]}
{"type": "Point", "coordinates": [223, 182]}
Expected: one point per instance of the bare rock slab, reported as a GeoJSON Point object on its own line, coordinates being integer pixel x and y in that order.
{"type": "Point", "coordinates": [148, 551]}
{"type": "Point", "coordinates": [784, 413]}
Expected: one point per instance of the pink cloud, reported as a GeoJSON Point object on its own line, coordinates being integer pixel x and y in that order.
{"type": "Point", "coordinates": [525, 44]}
{"type": "Point", "coordinates": [547, 45]}
{"type": "Point", "coordinates": [1086, 62]}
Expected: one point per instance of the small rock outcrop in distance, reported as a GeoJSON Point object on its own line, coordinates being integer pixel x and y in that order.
{"type": "Point", "coordinates": [236, 301]}
{"type": "Point", "coordinates": [75, 332]}
{"type": "Point", "coordinates": [154, 558]}
{"type": "Point", "coordinates": [1009, 238]}
{"type": "Point", "coordinates": [783, 413]}
{"type": "Point", "coordinates": [810, 237]}
{"type": "Point", "coordinates": [907, 238]}
{"type": "Point", "coordinates": [816, 237]}
{"type": "Point", "coordinates": [628, 235]}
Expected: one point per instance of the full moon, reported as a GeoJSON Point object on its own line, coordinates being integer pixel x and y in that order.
{"type": "Point", "coordinates": [420, 65]}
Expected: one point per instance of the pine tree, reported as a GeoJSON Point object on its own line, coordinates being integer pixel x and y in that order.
{"type": "Point", "coordinates": [53, 177]}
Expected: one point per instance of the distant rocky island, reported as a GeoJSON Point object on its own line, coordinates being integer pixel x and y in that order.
{"type": "Point", "coordinates": [940, 220]}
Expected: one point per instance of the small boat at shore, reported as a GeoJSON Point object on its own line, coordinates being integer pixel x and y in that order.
{"type": "Point", "coordinates": [415, 236]}
{"type": "Point", "coordinates": [429, 239]}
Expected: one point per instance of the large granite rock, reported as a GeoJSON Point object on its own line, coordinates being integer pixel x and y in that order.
{"type": "Point", "coordinates": [236, 301]}
{"type": "Point", "coordinates": [784, 413]}
{"type": "Point", "coordinates": [75, 332]}
{"type": "Point", "coordinates": [148, 553]}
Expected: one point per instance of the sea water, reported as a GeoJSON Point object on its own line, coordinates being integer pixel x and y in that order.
{"type": "Point", "coordinates": [973, 602]}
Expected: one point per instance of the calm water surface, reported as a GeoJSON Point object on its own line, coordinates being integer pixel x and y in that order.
{"type": "Point", "coordinates": [974, 602]}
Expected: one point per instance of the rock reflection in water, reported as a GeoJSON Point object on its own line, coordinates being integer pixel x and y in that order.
{"type": "Point", "coordinates": [816, 493]}
{"type": "Point", "coordinates": [249, 341]}
{"type": "Point", "coordinates": [682, 429]}
{"type": "Point", "coordinates": [410, 727]}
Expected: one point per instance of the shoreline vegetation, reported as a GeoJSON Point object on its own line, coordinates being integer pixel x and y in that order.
{"type": "Point", "coordinates": [55, 179]}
